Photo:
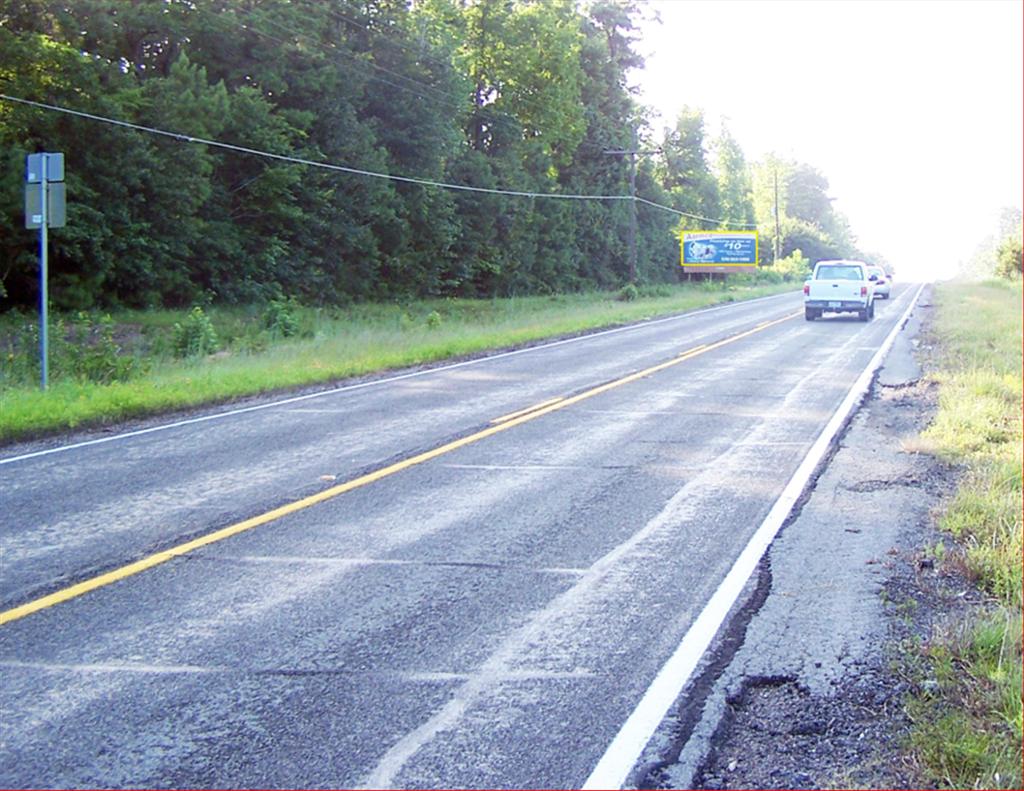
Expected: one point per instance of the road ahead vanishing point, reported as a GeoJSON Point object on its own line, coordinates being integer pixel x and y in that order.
{"type": "Point", "coordinates": [462, 577]}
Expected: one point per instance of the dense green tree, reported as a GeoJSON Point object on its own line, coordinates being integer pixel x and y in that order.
{"type": "Point", "coordinates": [807, 219]}
{"type": "Point", "coordinates": [600, 232]}
{"type": "Point", "coordinates": [807, 200]}
{"type": "Point", "coordinates": [1010, 256]}
{"type": "Point", "coordinates": [736, 207]}
{"type": "Point", "coordinates": [525, 122]}
{"type": "Point", "coordinates": [659, 229]}
{"type": "Point", "coordinates": [984, 261]}
{"type": "Point", "coordinates": [106, 248]}
{"type": "Point", "coordinates": [685, 173]}
{"type": "Point", "coordinates": [529, 96]}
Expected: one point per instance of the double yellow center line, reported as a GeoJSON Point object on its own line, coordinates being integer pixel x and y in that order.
{"type": "Point", "coordinates": [499, 424]}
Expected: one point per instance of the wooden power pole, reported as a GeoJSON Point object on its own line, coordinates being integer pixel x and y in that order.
{"type": "Point", "coordinates": [633, 153]}
{"type": "Point", "coordinates": [775, 246]}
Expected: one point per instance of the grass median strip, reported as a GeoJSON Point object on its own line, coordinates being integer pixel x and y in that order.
{"type": "Point", "coordinates": [508, 421]}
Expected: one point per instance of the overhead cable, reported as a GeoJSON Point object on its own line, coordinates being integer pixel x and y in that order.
{"type": "Point", "coordinates": [345, 169]}
{"type": "Point", "coordinates": [695, 216]}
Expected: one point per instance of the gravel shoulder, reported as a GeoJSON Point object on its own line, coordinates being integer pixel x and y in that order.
{"type": "Point", "coordinates": [803, 691]}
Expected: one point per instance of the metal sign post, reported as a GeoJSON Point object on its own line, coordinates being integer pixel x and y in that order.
{"type": "Point", "coordinates": [44, 301]}
{"type": "Point", "coordinates": [44, 207]}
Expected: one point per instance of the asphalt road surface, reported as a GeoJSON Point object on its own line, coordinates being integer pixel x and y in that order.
{"type": "Point", "coordinates": [448, 594]}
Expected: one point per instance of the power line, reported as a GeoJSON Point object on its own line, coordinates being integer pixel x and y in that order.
{"type": "Point", "coordinates": [343, 168]}
{"type": "Point", "coordinates": [696, 216]}
{"type": "Point", "coordinates": [298, 160]}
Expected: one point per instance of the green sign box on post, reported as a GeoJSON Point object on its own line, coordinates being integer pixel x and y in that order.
{"type": "Point", "coordinates": [44, 167]}
{"type": "Point", "coordinates": [44, 209]}
{"type": "Point", "coordinates": [56, 205]}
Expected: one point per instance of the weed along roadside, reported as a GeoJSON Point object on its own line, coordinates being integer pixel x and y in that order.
{"type": "Point", "coordinates": [143, 363]}
{"type": "Point", "coordinates": [966, 706]}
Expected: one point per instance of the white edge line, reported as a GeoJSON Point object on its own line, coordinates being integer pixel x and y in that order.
{"type": "Point", "coordinates": [376, 382]}
{"type": "Point", "coordinates": [622, 754]}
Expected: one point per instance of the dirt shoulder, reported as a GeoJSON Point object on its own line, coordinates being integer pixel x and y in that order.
{"type": "Point", "coordinates": [805, 692]}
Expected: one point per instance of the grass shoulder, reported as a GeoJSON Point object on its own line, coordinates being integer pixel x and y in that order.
{"type": "Point", "coordinates": [967, 718]}
{"type": "Point", "coordinates": [142, 363]}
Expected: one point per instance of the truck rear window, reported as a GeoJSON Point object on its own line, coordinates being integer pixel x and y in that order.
{"type": "Point", "coordinates": [839, 273]}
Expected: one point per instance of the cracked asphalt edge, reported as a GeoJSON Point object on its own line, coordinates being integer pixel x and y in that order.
{"type": "Point", "coordinates": [812, 614]}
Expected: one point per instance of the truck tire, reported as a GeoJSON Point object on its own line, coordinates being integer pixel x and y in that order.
{"type": "Point", "coordinates": [810, 314]}
{"type": "Point", "coordinates": [864, 315]}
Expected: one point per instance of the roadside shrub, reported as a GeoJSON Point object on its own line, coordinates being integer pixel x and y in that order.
{"type": "Point", "coordinates": [628, 293]}
{"type": "Point", "coordinates": [1010, 257]}
{"type": "Point", "coordinates": [433, 320]}
{"type": "Point", "coordinates": [79, 348]}
{"type": "Point", "coordinates": [253, 342]}
{"type": "Point", "coordinates": [100, 359]}
{"type": "Point", "coordinates": [20, 353]}
{"type": "Point", "coordinates": [654, 291]}
{"type": "Point", "coordinates": [279, 317]}
{"type": "Point", "coordinates": [767, 274]}
{"type": "Point", "coordinates": [793, 267]}
{"type": "Point", "coordinates": [195, 336]}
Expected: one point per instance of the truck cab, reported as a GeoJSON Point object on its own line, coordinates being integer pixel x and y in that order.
{"type": "Point", "coordinates": [839, 286]}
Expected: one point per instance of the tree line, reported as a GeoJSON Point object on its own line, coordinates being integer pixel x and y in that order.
{"type": "Point", "coordinates": [528, 96]}
{"type": "Point", "coordinates": [1000, 253]}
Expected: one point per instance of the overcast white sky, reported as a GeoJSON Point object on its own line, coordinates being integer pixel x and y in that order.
{"type": "Point", "coordinates": [913, 109]}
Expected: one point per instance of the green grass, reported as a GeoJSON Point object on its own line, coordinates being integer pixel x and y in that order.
{"type": "Point", "coordinates": [329, 345]}
{"type": "Point", "coordinates": [968, 728]}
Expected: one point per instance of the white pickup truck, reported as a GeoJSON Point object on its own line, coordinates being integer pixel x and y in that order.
{"type": "Point", "coordinates": [839, 287]}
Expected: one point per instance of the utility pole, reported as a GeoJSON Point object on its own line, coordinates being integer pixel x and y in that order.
{"type": "Point", "coordinates": [633, 153]}
{"type": "Point", "coordinates": [631, 240]}
{"type": "Point", "coordinates": [775, 246]}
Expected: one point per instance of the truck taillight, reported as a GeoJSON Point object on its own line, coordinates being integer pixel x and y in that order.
{"type": "Point", "coordinates": [807, 289]}
{"type": "Point", "coordinates": [863, 291]}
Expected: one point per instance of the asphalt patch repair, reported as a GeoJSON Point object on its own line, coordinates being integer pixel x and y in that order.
{"type": "Point", "coordinates": [810, 693]}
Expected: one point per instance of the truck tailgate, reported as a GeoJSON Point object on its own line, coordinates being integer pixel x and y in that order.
{"type": "Point", "coordinates": [835, 290]}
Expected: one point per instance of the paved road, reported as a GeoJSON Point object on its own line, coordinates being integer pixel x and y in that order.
{"type": "Point", "coordinates": [487, 617]}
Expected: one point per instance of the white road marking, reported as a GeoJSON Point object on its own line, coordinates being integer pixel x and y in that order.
{"type": "Point", "coordinates": [378, 382]}
{"type": "Point", "coordinates": [621, 755]}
